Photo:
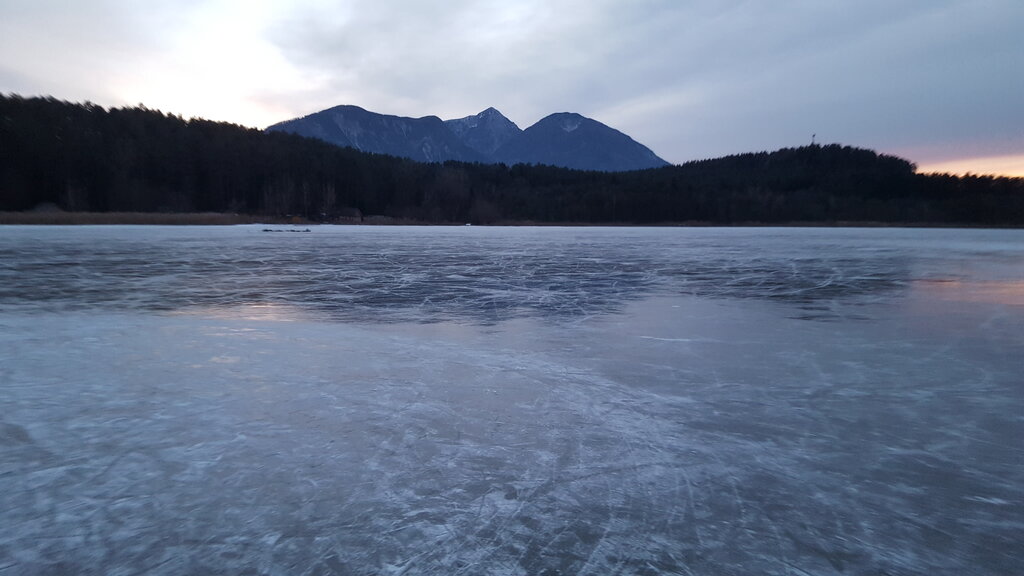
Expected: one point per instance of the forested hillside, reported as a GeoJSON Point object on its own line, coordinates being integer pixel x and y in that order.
{"type": "Point", "coordinates": [83, 157]}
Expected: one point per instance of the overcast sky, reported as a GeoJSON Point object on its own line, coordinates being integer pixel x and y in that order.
{"type": "Point", "coordinates": [938, 82]}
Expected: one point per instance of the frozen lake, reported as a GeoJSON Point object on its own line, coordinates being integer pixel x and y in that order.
{"type": "Point", "coordinates": [363, 400]}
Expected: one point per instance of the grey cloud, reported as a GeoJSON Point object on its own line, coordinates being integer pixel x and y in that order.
{"type": "Point", "coordinates": [890, 79]}
{"type": "Point", "coordinates": [748, 75]}
{"type": "Point", "coordinates": [444, 60]}
{"type": "Point", "coordinates": [78, 50]}
{"type": "Point", "coordinates": [689, 78]}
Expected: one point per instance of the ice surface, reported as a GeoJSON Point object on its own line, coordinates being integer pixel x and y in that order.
{"type": "Point", "coordinates": [511, 401]}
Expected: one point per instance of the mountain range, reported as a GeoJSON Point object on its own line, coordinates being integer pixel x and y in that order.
{"type": "Point", "coordinates": [563, 139]}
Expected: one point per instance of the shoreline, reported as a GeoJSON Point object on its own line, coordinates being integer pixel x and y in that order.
{"type": "Point", "coordinates": [227, 219]}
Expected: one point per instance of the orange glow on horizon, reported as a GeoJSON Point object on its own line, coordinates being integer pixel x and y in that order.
{"type": "Point", "coordinates": [1010, 165]}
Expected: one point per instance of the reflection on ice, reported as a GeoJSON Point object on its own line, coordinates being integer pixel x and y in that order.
{"type": "Point", "coordinates": [271, 311]}
{"type": "Point", "coordinates": [510, 401]}
{"type": "Point", "coordinates": [409, 274]}
{"type": "Point", "coordinates": [1004, 292]}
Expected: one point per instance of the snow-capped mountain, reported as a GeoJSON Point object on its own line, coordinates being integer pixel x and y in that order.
{"type": "Point", "coordinates": [566, 139]}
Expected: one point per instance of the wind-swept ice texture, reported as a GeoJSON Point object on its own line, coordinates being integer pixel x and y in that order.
{"type": "Point", "coordinates": [511, 401]}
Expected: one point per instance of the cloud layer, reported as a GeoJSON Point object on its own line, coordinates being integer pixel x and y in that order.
{"type": "Point", "coordinates": [930, 80]}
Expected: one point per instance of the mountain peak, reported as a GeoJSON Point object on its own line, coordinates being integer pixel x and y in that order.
{"type": "Point", "coordinates": [574, 141]}
{"type": "Point", "coordinates": [484, 132]}
{"type": "Point", "coordinates": [425, 139]}
{"type": "Point", "coordinates": [568, 121]}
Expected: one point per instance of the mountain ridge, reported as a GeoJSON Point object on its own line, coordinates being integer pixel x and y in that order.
{"type": "Point", "coordinates": [426, 139]}
{"type": "Point", "coordinates": [571, 140]}
{"type": "Point", "coordinates": [487, 137]}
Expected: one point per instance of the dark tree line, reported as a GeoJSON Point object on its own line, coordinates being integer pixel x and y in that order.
{"type": "Point", "coordinates": [82, 157]}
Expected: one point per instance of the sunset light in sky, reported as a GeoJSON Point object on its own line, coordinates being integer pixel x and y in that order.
{"type": "Point", "coordinates": [998, 165]}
